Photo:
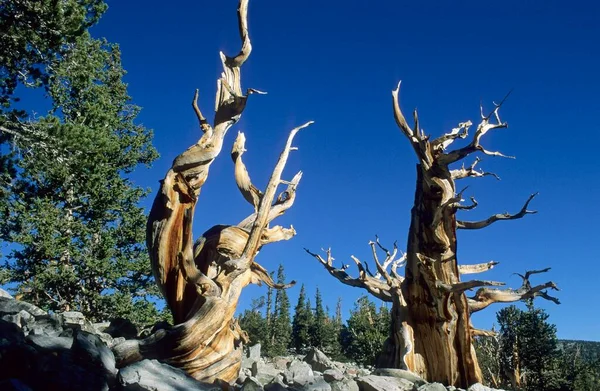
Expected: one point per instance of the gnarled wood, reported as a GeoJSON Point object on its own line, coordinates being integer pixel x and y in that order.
{"type": "Point", "coordinates": [202, 281]}
{"type": "Point", "coordinates": [431, 314]}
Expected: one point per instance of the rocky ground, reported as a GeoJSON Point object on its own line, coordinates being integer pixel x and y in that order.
{"type": "Point", "coordinates": [41, 351]}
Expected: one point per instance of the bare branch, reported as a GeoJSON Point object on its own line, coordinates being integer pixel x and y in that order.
{"type": "Point", "coordinates": [284, 201]}
{"type": "Point", "coordinates": [374, 286]}
{"type": "Point", "coordinates": [466, 285]}
{"type": "Point", "coordinates": [471, 172]}
{"type": "Point", "coordinates": [483, 333]}
{"type": "Point", "coordinates": [266, 203]}
{"type": "Point", "coordinates": [486, 296]}
{"type": "Point", "coordinates": [478, 268]}
{"type": "Point", "coordinates": [277, 234]}
{"type": "Point", "coordinates": [461, 132]}
{"type": "Point", "coordinates": [261, 275]}
{"type": "Point", "coordinates": [204, 125]}
{"type": "Point", "coordinates": [497, 217]}
{"type": "Point", "coordinates": [484, 126]}
{"type": "Point", "coordinates": [242, 179]}
{"type": "Point", "coordinates": [417, 139]}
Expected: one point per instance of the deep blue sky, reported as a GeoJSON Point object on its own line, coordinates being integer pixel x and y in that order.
{"type": "Point", "coordinates": [336, 62]}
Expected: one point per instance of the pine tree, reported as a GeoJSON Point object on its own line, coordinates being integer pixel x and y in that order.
{"type": "Point", "coordinates": [365, 332]}
{"type": "Point", "coordinates": [300, 324]}
{"type": "Point", "coordinates": [317, 331]}
{"type": "Point", "coordinates": [67, 202]}
{"type": "Point", "coordinates": [254, 324]}
{"type": "Point", "coordinates": [338, 313]}
{"type": "Point", "coordinates": [282, 328]}
{"type": "Point", "coordinates": [528, 346]}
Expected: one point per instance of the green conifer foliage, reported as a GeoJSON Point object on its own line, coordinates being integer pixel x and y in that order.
{"type": "Point", "coordinates": [282, 327]}
{"type": "Point", "coordinates": [69, 208]}
{"type": "Point", "coordinates": [301, 324]}
{"type": "Point", "coordinates": [365, 332]}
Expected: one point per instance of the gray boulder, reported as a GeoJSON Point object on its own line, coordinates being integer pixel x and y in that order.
{"type": "Point", "coordinates": [384, 383]}
{"type": "Point", "coordinates": [47, 343]}
{"type": "Point", "coordinates": [344, 385]}
{"type": "Point", "coordinates": [72, 319]}
{"type": "Point", "coordinates": [5, 294]}
{"type": "Point", "coordinates": [401, 374]}
{"type": "Point", "coordinates": [265, 373]}
{"type": "Point", "coordinates": [318, 360]}
{"type": "Point", "coordinates": [13, 307]}
{"type": "Point", "coordinates": [314, 384]}
{"type": "Point", "coordinates": [275, 385]}
{"type": "Point", "coordinates": [331, 375]}
{"type": "Point", "coordinates": [432, 387]}
{"type": "Point", "coordinates": [481, 387]}
{"type": "Point", "coordinates": [150, 375]}
{"type": "Point", "coordinates": [254, 352]}
{"type": "Point", "coordinates": [251, 384]}
{"type": "Point", "coordinates": [300, 372]}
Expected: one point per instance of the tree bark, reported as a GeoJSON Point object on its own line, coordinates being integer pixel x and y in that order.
{"type": "Point", "coordinates": [202, 281]}
{"type": "Point", "coordinates": [431, 332]}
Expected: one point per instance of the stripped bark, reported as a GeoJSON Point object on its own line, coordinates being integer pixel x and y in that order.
{"type": "Point", "coordinates": [202, 280]}
{"type": "Point", "coordinates": [431, 314]}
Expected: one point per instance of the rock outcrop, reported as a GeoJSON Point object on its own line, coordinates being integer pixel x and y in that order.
{"type": "Point", "coordinates": [41, 351]}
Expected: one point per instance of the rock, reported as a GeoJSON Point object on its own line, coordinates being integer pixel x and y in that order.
{"type": "Point", "coordinates": [265, 373]}
{"type": "Point", "coordinates": [300, 372]}
{"type": "Point", "coordinates": [150, 375]}
{"type": "Point", "coordinates": [46, 343]}
{"type": "Point", "coordinates": [401, 374]}
{"type": "Point", "coordinates": [254, 352]}
{"type": "Point", "coordinates": [47, 326]}
{"type": "Point", "coordinates": [89, 347]}
{"type": "Point", "coordinates": [432, 387]}
{"type": "Point", "coordinates": [480, 387]}
{"type": "Point", "coordinates": [10, 333]}
{"type": "Point", "coordinates": [281, 363]}
{"type": "Point", "coordinates": [318, 360]}
{"type": "Point", "coordinates": [315, 384]}
{"type": "Point", "coordinates": [275, 385]}
{"type": "Point", "coordinates": [251, 384]}
{"type": "Point", "coordinates": [344, 385]}
{"type": "Point", "coordinates": [13, 307]}
{"type": "Point", "coordinates": [120, 327]}
{"type": "Point", "coordinates": [383, 383]}
{"type": "Point", "coordinates": [331, 375]}
{"type": "Point", "coordinates": [72, 319]}
{"type": "Point", "coordinates": [5, 294]}
{"type": "Point", "coordinates": [247, 362]}
{"type": "Point", "coordinates": [101, 327]}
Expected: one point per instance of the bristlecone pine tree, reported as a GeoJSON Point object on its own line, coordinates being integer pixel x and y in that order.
{"type": "Point", "coordinates": [431, 314]}
{"type": "Point", "coordinates": [202, 280]}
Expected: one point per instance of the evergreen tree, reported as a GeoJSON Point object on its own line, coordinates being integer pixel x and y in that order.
{"type": "Point", "coordinates": [538, 348]}
{"type": "Point", "coordinates": [365, 332]}
{"type": "Point", "coordinates": [254, 324]}
{"type": "Point", "coordinates": [528, 350]}
{"type": "Point", "coordinates": [67, 202]}
{"type": "Point", "coordinates": [282, 328]}
{"type": "Point", "coordinates": [338, 313]}
{"type": "Point", "coordinates": [317, 331]}
{"type": "Point", "coordinates": [300, 324]}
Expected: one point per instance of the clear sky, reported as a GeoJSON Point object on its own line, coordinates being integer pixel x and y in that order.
{"type": "Point", "coordinates": [336, 62]}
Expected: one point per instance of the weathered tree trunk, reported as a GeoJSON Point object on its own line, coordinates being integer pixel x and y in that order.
{"type": "Point", "coordinates": [202, 281]}
{"type": "Point", "coordinates": [431, 331]}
